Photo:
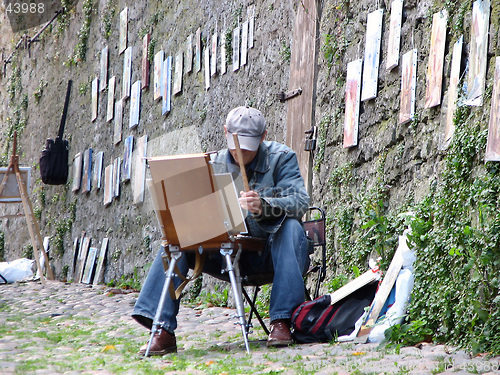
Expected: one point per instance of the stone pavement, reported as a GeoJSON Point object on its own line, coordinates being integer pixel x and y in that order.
{"type": "Point", "coordinates": [79, 329]}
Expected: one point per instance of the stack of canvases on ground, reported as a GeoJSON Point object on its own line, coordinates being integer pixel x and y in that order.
{"type": "Point", "coordinates": [167, 81]}
{"type": "Point", "coordinates": [362, 75]}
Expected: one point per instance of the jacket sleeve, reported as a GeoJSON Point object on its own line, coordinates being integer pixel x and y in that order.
{"type": "Point", "coordinates": [288, 197]}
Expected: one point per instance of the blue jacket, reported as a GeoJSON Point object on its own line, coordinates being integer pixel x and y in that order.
{"type": "Point", "coordinates": [275, 175]}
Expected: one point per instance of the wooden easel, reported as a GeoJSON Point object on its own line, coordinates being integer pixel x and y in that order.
{"type": "Point", "coordinates": [33, 227]}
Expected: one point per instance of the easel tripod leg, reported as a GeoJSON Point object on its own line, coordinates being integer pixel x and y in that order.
{"type": "Point", "coordinates": [156, 327]}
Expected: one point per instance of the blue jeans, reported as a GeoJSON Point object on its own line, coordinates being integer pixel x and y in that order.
{"type": "Point", "coordinates": [285, 258]}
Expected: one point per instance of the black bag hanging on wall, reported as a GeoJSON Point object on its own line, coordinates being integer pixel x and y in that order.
{"type": "Point", "coordinates": [54, 158]}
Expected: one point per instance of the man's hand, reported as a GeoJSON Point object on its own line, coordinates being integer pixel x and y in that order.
{"type": "Point", "coordinates": [250, 200]}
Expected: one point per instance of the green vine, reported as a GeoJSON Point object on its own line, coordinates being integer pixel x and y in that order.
{"type": "Point", "coordinates": [80, 50]}
{"type": "Point", "coordinates": [107, 18]}
{"type": "Point", "coordinates": [2, 246]}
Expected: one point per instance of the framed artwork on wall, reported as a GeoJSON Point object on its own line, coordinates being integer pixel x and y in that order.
{"type": "Point", "coordinates": [372, 52]}
{"type": "Point", "coordinates": [352, 101]}
{"type": "Point", "coordinates": [111, 99]}
{"type": "Point", "coordinates": [213, 60]}
{"type": "Point", "coordinates": [108, 185]}
{"type": "Point", "coordinates": [127, 73]}
{"type": "Point", "coordinates": [135, 105]}
{"type": "Point", "coordinates": [244, 43]}
{"type": "Point", "coordinates": [167, 85]}
{"type": "Point", "coordinates": [158, 75]}
{"type": "Point", "coordinates": [97, 174]}
{"type": "Point", "coordinates": [117, 137]}
{"type": "Point", "coordinates": [145, 61]}
{"type": "Point", "coordinates": [223, 67]}
{"type": "Point", "coordinates": [408, 86]}
{"type": "Point", "coordinates": [123, 30]}
{"type": "Point", "coordinates": [493, 140]}
{"type": "Point", "coordinates": [394, 41]}
{"type": "Point", "coordinates": [127, 158]}
{"type": "Point", "coordinates": [139, 176]}
{"type": "Point", "coordinates": [189, 54]}
{"type": "Point", "coordinates": [197, 59]}
{"type": "Point", "coordinates": [117, 168]}
{"type": "Point", "coordinates": [178, 73]}
{"type": "Point", "coordinates": [434, 78]}
{"type": "Point", "coordinates": [99, 272]}
{"type": "Point", "coordinates": [236, 49]}
{"type": "Point", "coordinates": [251, 24]}
{"type": "Point", "coordinates": [77, 171]}
{"type": "Point", "coordinates": [95, 98]}
{"type": "Point", "coordinates": [478, 52]}
{"type": "Point", "coordinates": [103, 81]}
{"type": "Point", "coordinates": [87, 171]}
{"type": "Point", "coordinates": [456, 61]}
{"type": "Point", "coordinates": [206, 58]}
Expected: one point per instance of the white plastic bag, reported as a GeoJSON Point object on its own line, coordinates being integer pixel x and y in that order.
{"type": "Point", "coordinates": [16, 270]}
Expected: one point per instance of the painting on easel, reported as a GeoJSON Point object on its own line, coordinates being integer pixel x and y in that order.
{"type": "Point", "coordinates": [478, 52]}
{"type": "Point", "coordinates": [493, 142]}
{"type": "Point", "coordinates": [352, 100]}
{"type": "Point", "coordinates": [436, 60]}
{"type": "Point", "coordinates": [10, 192]}
{"type": "Point", "coordinates": [408, 87]}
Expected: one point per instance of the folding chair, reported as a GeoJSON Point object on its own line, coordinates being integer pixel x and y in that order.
{"type": "Point", "coordinates": [316, 230]}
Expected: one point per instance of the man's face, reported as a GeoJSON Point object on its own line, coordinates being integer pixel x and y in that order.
{"type": "Point", "coordinates": [248, 156]}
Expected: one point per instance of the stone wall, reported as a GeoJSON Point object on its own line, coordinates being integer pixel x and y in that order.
{"type": "Point", "coordinates": [392, 164]}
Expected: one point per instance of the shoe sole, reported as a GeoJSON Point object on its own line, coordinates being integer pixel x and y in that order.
{"type": "Point", "coordinates": [159, 352]}
{"type": "Point", "coordinates": [279, 343]}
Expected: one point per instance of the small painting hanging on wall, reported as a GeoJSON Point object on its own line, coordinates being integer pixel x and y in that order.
{"type": "Point", "coordinates": [493, 142]}
{"type": "Point", "coordinates": [178, 73]}
{"type": "Point", "coordinates": [158, 75]}
{"type": "Point", "coordinates": [197, 60]}
{"type": "Point", "coordinates": [206, 58]}
{"type": "Point", "coordinates": [117, 137]}
{"type": "Point", "coordinates": [456, 61]}
{"type": "Point", "coordinates": [251, 24]}
{"type": "Point", "coordinates": [77, 172]}
{"type": "Point", "coordinates": [135, 105]}
{"type": "Point", "coordinates": [352, 100]}
{"type": "Point", "coordinates": [97, 174]}
{"type": "Point", "coordinates": [394, 41]}
{"type": "Point", "coordinates": [123, 30]}
{"type": "Point", "coordinates": [127, 158]}
{"type": "Point", "coordinates": [108, 185]}
{"type": "Point", "coordinates": [436, 60]}
{"type": "Point", "coordinates": [478, 52]}
{"type": "Point", "coordinates": [111, 99]}
{"type": "Point", "coordinates": [87, 171]}
{"type": "Point", "coordinates": [95, 98]}
{"type": "Point", "coordinates": [145, 61]}
{"type": "Point", "coordinates": [189, 54]}
{"type": "Point", "coordinates": [223, 67]}
{"type": "Point", "coordinates": [140, 170]}
{"type": "Point", "coordinates": [372, 52]}
{"type": "Point", "coordinates": [117, 168]}
{"type": "Point", "coordinates": [213, 60]}
{"type": "Point", "coordinates": [127, 73]}
{"type": "Point", "coordinates": [167, 85]}
{"type": "Point", "coordinates": [104, 68]}
{"type": "Point", "coordinates": [408, 86]}
{"type": "Point", "coordinates": [244, 43]}
{"type": "Point", "coordinates": [236, 49]}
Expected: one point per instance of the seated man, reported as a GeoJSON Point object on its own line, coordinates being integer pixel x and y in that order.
{"type": "Point", "coordinates": [276, 202]}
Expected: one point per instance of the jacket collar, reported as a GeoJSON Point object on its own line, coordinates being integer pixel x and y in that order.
{"type": "Point", "coordinates": [262, 165]}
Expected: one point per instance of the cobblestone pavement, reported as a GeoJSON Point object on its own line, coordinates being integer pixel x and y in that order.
{"type": "Point", "coordinates": [79, 329]}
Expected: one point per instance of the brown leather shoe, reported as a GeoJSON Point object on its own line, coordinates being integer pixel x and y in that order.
{"type": "Point", "coordinates": [280, 334]}
{"type": "Point", "coordinates": [163, 343]}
